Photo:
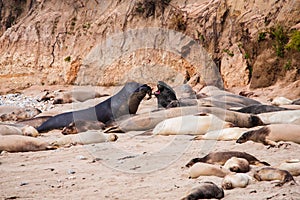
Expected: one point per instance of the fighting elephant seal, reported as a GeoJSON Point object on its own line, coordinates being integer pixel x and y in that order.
{"type": "Point", "coordinates": [270, 134]}
{"type": "Point", "coordinates": [82, 126]}
{"type": "Point", "coordinates": [190, 125]}
{"type": "Point", "coordinates": [271, 174]}
{"type": "Point", "coordinates": [222, 156]}
{"type": "Point", "coordinates": [164, 94]}
{"type": "Point", "coordinates": [205, 169]}
{"type": "Point", "coordinates": [88, 137]}
{"type": "Point", "coordinates": [125, 102]}
{"type": "Point", "coordinates": [238, 180]}
{"type": "Point", "coordinates": [206, 190]}
{"type": "Point", "coordinates": [19, 143]}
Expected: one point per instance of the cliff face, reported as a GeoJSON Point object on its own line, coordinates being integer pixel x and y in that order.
{"type": "Point", "coordinates": [109, 42]}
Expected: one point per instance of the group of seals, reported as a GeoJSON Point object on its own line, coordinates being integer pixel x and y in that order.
{"type": "Point", "coordinates": [124, 102]}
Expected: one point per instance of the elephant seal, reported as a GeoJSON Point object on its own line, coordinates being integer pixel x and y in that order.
{"type": "Point", "coordinates": [236, 99]}
{"type": "Point", "coordinates": [88, 137]}
{"type": "Point", "coordinates": [225, 134]}
{"type": "Point", "coordinates": [206, 190]}
{"type": "Point", "coordinates": [146, 121]}
{"type": "Point", "coordinates": [238, 180]}
{"type": "Point", "coordinates": [165, 95]}
{"type": "Point", "coordinates": [278, 101]}
{"type": "Point", "coordinates": [19, 143]}
{"type": "Point", "coordinates": [77, 95]}
{"type": "Point", "coordinates": [296, 102]}
{"type": "Point", "coordinates": [282, 117]}
{"type": "Point", "coordinates": [18, 113]}
{"type": "Point", "coordinates": [222, 156]}
{"type": "Point", "coordinates": [260, 108]}
{"type": "Point", "coordinates": [205, 169]}
{"type": "Point", "coordinates": [34, 122]}
{"type": "Point", "coordinates": [11, 129]}
{"type": "Point", "coordinates": [82, 126]}
{"type": "Point", "coordinates": [270, 134]}
{"type": "Point", "coordinates": [125, 102]}
{"type": "Point", "coordinates": [239, 165]}
{"type": "Point", "coordinates": [190, 125]}
{"type": "Point", "coordinates": [291, 166]}
{"type": "Point", "coordinates": [271, 174]}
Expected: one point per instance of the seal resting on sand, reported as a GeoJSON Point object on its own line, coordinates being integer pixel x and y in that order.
{"type": "Point", "coordinates": [125, 102]}
{"type": "Point", "coordinates": [225, 134]}
{"type": "Point", "coordinates": [206, 190]}
{"type": "Point", "coordinates": [292, 166]}
{"type": "Point", "coordinates": [270, 134]}
{"type": "Point", "coordinates": [19, 143]}
{"type": "Point", "coordinates": [222, 156]}
{"type": "Point", "coordinates": [259, 108]}
{"type": "Point", "coordinates": [240, 165]}
{"type": "Point", "coordinates": [88, 137]}
{"type": "Point", "coordinates": [82, 126]}
{"type": "Point", "coordinates": [165, 95]}
{"type": "Point", "coordinates": [271, 174]}
{"type": "Point", "coordinates": [6, 129]}
{"type": "Point", "coordinates": [190, 125]}
{"type": "Point", "coordinates": [205, 169]}
{"type": "Point", "coordinates": [238, 180]}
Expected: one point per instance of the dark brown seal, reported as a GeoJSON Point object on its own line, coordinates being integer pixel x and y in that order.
{"type": "Point", "coordinates": [165, 95]}
{"type": "Point", "coordinates": [222, 156]}
{"type": "Point", "coordinates": [206, 190]}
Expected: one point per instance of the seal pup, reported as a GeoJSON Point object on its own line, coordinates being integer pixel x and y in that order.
{"type": "Point", "coordinates": [165, 95]}
{"type": "Point", "coordinates": [271, 174]}
{"type": "Point", "coordinates": [239, 165]}
{"type": "Point", "coordinates": [125, 102]}
{"type": "Point", "coordinates": [225, 134]}
{"type": "Point", "coordinates": [292, 166]}
{"type": "Point", "coordinates": [205, 169]}
{"type": "Point", "coordinates": [88, 137]}
{"type": "Point", "coordinates": [271, 134]}
{"type": "Point", "coordinates": [282, 117]}
{"type": "Point", "coordinates": [260, 108]}
{"type": "Point", "coordinates": [238, 180]}
{"type": "Point", "coordinates": [206, 190]}
{"type": "Point", "coordinates": [82, 126]}
{"type": "Point", "coordinates": [11, 129]}
{"type": "Point", "coordinates": [190, 125]}
{"type": "Point", "coordinates": [19, 143]}
{"type": "Point", "coordinates": [222, 156]}
{"type": "Point", "coordinates": [146, 121]}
